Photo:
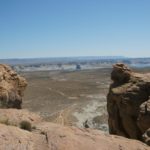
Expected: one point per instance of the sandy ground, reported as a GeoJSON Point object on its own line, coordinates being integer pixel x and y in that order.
{"type": "Point", "coordinates": [69, 97]}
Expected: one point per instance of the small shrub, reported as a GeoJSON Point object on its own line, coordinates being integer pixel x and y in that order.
{"type": "Point", "coordinates": [34, 127]}
{"type": "Point", "coordinates": [26, 125]}
{"type": "Point", "coordinates": [42, 132]}
{"type": "Point", "coordinates": [5, 121]}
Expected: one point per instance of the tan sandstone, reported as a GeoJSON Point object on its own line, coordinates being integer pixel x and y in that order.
{"type": "Point", "coordinates": [12, 87]}
{"type": "Point", "coordinates": [128, 104]}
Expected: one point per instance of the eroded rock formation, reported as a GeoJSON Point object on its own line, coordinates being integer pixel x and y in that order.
{"type": "Point", "coordinates": [128, 104]}
{"type": "Point", "coordinates": [11, 88]}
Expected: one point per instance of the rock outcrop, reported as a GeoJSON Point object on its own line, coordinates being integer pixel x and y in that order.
{"type": "Point", "coordinates": [128, 104]}
{"type": "Point", "coordinates": [49, 136]}
{"type": "Point", "coordinates": [11, 88]}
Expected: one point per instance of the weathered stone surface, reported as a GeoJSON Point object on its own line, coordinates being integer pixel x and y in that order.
{"type": "Point", "coordinates": [56, 137]}
{"type": "Point", "coordinates": [14, 117]}
{"type": "Point", "coordinates": [146, 137]}
{"type": "Point", "coordinates": [73, 138]}
{"type": "Point", "coordinates": [144, 116]}
{"type": "Point", "coordinates": [49, 136]}
{"type": "Point", "coordinates": [11, 88]}
{"type": "Point", "coordinates": [120, 73]}
{"type": "Point", "coordinates": [13, 138]}
{"type": "Point", "coordinates": [128, 103]}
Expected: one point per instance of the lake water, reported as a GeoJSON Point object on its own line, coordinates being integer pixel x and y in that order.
{"type": "Point", "coordinates": [140, 65]}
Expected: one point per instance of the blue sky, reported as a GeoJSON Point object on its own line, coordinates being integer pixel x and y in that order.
{"type": "Point", "coordinates": [57, 28]}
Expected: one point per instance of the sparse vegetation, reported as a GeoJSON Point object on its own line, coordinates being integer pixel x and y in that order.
{"type": "Point", "coordinates": [26, 125]}
{"type": "Point", "coordinates": [3, 104]}
{"type": "Point", "coordinates": [34, 127]}
{"type": "Point", "coordinates": [43, 133]}
{"type": "Point", "coordinates": [4, 121]}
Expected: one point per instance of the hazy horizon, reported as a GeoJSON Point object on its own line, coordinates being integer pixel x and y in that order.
{"type": "Point", "coordinates": [107, 57]}
{"type": "Point", "coordinates": [47, 28]}
{"type": "Point", "coordinates": [43, 57]}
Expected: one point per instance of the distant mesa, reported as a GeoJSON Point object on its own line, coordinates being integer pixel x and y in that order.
{"type": "Point", "coordinates": [78, 67]}
{"type": "Point", "coordinates": [70, 63]}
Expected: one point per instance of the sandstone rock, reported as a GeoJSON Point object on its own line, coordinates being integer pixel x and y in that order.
{"type": "Point", "coordinates": [144, 116]}
{"type": "Point", "coordinates": [56, 137]}
{"type": "Point", "coordinates": [128, 103]}
{"type": "Point", "coordinates": [120, 73]}
{"type": "Point", "coordinates": [146, 137]}
{"type": "Point", "coordinates": [14, 117]}
{"type": "Point", "coordinates": [13, 138]}
{"type": "Point", "coordinates": [49, 136]}
{"type": "Point", "coordinates": [72, 138]}
{"type": "Point", "coordinates": [11, 88]}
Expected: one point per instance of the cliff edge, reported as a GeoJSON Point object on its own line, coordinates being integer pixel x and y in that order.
{"type": "Point", "coordinates": [128, 104]}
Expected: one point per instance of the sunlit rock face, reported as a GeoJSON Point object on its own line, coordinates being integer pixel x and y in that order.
{"type": "Point", "coordinates": [128, 103]}
{"type": "Point", "coordinates": [12, 87]}
{"type": "Point", "coordinates": [48, 136]}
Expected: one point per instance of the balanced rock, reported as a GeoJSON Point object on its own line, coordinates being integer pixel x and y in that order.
{"type": "Point", "coordinates": [11, 88]}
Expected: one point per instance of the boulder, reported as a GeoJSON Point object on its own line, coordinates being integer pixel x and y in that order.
{"type": "Point", "coordinates": [12, 87]}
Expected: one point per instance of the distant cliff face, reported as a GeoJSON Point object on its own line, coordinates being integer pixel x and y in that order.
{"type": "Point", "coordinates": [11, 88]}
{"type": "Point", "coordinates": [128, 104]}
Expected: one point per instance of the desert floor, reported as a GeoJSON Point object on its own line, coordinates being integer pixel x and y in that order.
{"type": "Point", "coordinates": [70, 97]}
